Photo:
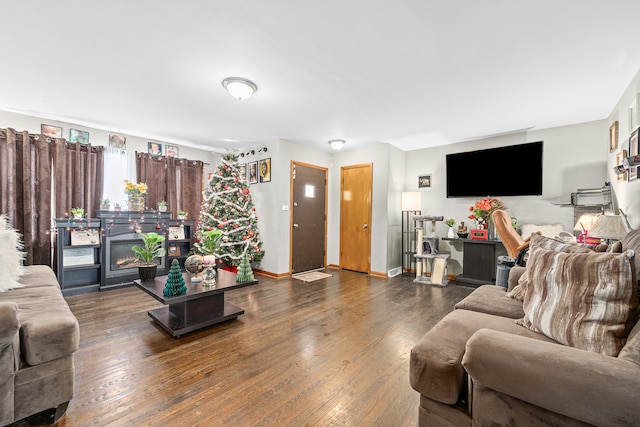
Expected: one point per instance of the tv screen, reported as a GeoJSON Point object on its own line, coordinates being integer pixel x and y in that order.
{"type": "Point", "coordinates": [514, 170]}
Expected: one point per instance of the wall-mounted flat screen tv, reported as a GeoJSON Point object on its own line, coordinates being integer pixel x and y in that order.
{"type": "Point", "coordinates": [514, 170]}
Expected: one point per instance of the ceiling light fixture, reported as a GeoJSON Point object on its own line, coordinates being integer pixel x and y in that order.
{"type": "Point", "coordinates": [337, 144]}
{"type": "Point", "coordinates": [240, 88]}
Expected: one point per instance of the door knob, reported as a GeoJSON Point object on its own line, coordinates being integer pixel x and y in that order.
{"type": "Point", "coordinates": [295, 225]}
{"type": "Point", "coordinates": [365, 226]}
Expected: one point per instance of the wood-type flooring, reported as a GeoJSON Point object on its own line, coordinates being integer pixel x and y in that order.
{"type": "Point", "coordinates": [333, 352]}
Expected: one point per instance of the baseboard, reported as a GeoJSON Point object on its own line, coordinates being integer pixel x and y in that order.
{"type": "Point", "coordinates": [378, 274]}
{"type": "Point", "coordinates": [270, 274]}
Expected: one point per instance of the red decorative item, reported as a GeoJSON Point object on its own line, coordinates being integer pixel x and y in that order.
{"type": "Point", "coordinates": [479, 234]}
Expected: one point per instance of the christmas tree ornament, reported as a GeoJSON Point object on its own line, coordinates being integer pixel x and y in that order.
{"type": "Point", "coordinates": [245, 274]}
{"type": "Point", "coordinates": [175, 282]}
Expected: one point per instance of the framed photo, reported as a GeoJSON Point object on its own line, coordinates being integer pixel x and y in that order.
{"type": "Point", "coordinates": [265, 170]}
{"type": "Point", "coordinates": [117, 141]}
{"type": "Point", "coordinates": [424, 181]}
{"type": "Point", "coordinates": [51, 131]}
{"type": "Point", "coordinates": [173, 151]}
{"type": "Point", "coordinates": [80, 136]}
{"type": "Point", "coordinates": [176, 233]}
{"type": "Point", "coordinates": [155, 148]}
{"type": "Point", "coordinates": [85, 237]}
{"type": "Point", "coordinates": [174, 250]}
{"type": "Point", "coordinates": [621, 176]}
{"type": "Point", "coordinates": [633, 150]}
{"type": "Point", "coordinates": [243, 171]}
{"type": "Point", "coordinates": [613, 137]}
{"type": "Point", "coordinates": [253, 172]}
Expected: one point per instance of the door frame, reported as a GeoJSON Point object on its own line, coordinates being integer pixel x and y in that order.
{"type": "Point", "coordinates": [291, 201]}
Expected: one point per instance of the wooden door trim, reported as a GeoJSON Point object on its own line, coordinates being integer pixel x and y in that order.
{"type": "Point", "coordinates": [326, 212]}
{"type": "Point", "coordinates": [369, 214]}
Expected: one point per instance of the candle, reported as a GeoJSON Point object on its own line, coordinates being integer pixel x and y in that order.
{"type": "Point", "coordinates": [209, 259]}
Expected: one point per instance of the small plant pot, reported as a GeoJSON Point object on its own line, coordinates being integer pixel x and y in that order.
{"type": "Point", "coordinates": [162, 208]}
{"type": "Point", "coordinates": [77, 216]}
{"type": "Point", "coordinates": [105, 207]}
{"type": "Point", "coordinates": [147, 273]}
{"type": "Point", "coordinates": [182, 216]}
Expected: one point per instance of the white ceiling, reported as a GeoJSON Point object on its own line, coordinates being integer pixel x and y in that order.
{"type": "Point", "coordinates": [413, 73]}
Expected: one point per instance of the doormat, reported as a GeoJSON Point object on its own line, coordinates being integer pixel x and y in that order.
{"type": "Point", "coordinates": [311, 276]}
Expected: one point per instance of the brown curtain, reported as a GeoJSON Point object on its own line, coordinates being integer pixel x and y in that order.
{"type": "Point", "coordinates": [152, 170]}
{"type": "Point", "coordinates": [78, 177]}
{"type": "Point", "coordinates": [25, 190]}
{"type": "Point", "coordinates": [184, 186]}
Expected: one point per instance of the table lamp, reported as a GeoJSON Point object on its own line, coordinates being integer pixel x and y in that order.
{"type": "Point", "coordinates": [584, 224]}
{"type": "Point", "coordinates": [609, 228]}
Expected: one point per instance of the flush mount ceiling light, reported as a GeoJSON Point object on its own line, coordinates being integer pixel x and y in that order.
{"type": "Point", "coordinates": [337, 144]}
{"type": "Point", "coordinates": [240, 88]}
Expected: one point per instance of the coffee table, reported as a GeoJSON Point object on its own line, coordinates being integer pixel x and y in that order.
{"type": "Point", "coordinates": [199, 307]}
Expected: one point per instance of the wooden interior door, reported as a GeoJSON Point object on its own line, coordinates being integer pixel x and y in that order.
{"type": "Point", "coordinates": [355, 217]}
{"type": "Point", "coordinates": [308, 217]}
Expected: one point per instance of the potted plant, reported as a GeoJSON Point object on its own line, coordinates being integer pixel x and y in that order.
{"type": "Point", "coordinates": [77, 212]}
{"type": "Point", "coordinates": [182, 214]}
{"type": "Point", "coordinates": [210, 243]}
{"type": "Point", "coordinates": [162, 206]}
{"type": "Point", "coordinates": [105, 204]}
{"type": "Point", "coordinates": [450, 223]}
{"type": "Point", "coordinates": [152, 249]}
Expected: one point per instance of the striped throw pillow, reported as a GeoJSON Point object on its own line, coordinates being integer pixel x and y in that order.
{"type": "Point", "coordinates": [583, 300]}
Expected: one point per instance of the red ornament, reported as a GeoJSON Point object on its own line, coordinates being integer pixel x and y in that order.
{"type": "Point", "coordinates": [245, 191]}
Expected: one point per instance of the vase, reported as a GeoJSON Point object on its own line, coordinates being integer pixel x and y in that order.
{"type": "Point", "coordinates": [451, 234]}
{"type": "Point", "coordinates": [491, 230]}
{"type": "Point", "coordinates": [209, 275]}
{"type": "Point", "coordinates": [148, 272]}
{"type": "Point", "coordinates": [136, 203]}
{"type": "Point", "coordinates": [162, 208]}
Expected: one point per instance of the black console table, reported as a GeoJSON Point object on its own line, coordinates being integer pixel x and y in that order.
{"type": "Point", "coordinates": [479, 261]}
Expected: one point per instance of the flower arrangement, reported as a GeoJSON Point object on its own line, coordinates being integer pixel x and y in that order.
{"type": "Point", "coordinates": [450, 222]}
{"type": "Point", "coordinates": [483, 209]}
{"type": "Point", "coordinates": [132, 189]}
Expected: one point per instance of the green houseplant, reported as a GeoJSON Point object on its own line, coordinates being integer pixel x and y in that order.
{"type": "Point", "coordinates": [152, 249]}
{"type": "Point", "coordinates": [182, 214]}
{"type": "Point", "coordinates": [77, 212]}
{"type": "Point", "coordinates": [105, 204]}
{"type": "Point", "coordinates": [162, 206]}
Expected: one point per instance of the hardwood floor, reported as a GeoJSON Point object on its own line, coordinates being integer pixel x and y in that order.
{"type": "Point", "coordinates": [329, 352]}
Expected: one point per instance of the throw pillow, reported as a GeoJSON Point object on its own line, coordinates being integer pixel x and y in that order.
{"type": "Point", "coordinates": [11, 256]}
{"type": "Point", "coordinates": [583, 300]}
{"type": "Point", "coordinates": [538, 241]}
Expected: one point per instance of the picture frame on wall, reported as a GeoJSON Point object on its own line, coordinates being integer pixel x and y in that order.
{"type": "Point", "coordinates": [79, 136]}
{"type": "Point", "coordinates": [242, 167]}
{"type": "Point", "coordinates": [155, 148]}
{"type": "Point", "coordinates": [613, 137]}
{"type": "Point", "coordinates": [620, 177]}
{"type": "Point", "coordinates": [633, 150]}
{"type": "Point", "coordinates": [51, 131]}
{"type": "Point", "coordinates": [265, 170]}
{"type": "Point", "coordinates": [253, 172]}
{"type": "Point", "coordinates": [424, 181]}
{"type": "Point", "coordinates": [117, 141]}
{"type": "Point", "coordinates": [173, 151]}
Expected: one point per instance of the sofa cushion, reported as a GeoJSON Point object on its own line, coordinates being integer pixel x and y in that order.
{"type": "Point", "coordinates": [436, 361]}
{"type": "Point", "coordinates": [48, 328]}
{"type": "Point", "coordinates": [538, 241]}
{"type": "Point", "coordinates": [492, 299]}
{"type": "Point", "coordinates": [11, 256]}
{"type": "Point", "coordinates": [583, 300]}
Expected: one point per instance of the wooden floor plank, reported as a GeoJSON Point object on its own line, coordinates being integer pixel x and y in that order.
{"type": "Point", "coordinates": [329, 352]}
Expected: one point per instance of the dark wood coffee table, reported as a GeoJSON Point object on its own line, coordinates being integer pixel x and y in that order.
{"type": "Point", "coordinates": [199, 307]}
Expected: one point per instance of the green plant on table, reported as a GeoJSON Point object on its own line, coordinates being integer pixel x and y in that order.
{"type": "Point", "coordinates": [162, 203]}
{"type": "Point", "coordinates": [152, 247]}
{"type": "Point", "coordinates": [211, 241]}
{"type": "Point", "coordinates": [77, 211]}
{"type": "Point", "coordinates": [450, 222]}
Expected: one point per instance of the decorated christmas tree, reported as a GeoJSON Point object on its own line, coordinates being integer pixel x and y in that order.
{"type": "Point", "coordinates": [227, 207]}
{"type": "Point", "coordinates": [175, 282]}
{"type": "Point", "coordinates": [245, 274]}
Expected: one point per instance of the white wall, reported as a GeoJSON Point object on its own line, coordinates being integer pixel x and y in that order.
{"type": "Point", "coordinates": [574, 157]}
{"type": "Point", "coordinates": [627, 193]}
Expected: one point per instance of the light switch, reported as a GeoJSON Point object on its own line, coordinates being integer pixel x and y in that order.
{"type": "Point", "coordinates": [285, 207]}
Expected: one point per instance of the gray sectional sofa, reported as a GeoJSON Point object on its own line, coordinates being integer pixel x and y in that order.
{"type": "Point", "coordinates": [38, 337]}
{"type": "Point", "coordinates": [480, 366]}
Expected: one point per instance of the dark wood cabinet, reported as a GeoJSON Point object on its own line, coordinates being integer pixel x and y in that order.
{"type": "Point", "coordinates": [78, 255]}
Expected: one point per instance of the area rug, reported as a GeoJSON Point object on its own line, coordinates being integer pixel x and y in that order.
{"type": "Point", "coordinates": [311, 276]}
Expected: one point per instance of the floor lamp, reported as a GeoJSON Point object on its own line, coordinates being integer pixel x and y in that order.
{"type": "Point", "coordinates": [411, 206]}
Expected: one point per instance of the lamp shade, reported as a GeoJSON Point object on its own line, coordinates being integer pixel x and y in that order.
{"type": "Point", "coordinates": [609, 227]}
{"type": "Point", "coordinates": [585, 222]}
{"type": "Point", "coordinates": [411, 201]}
{"type": "Point", "coordinates": [337, 144]}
